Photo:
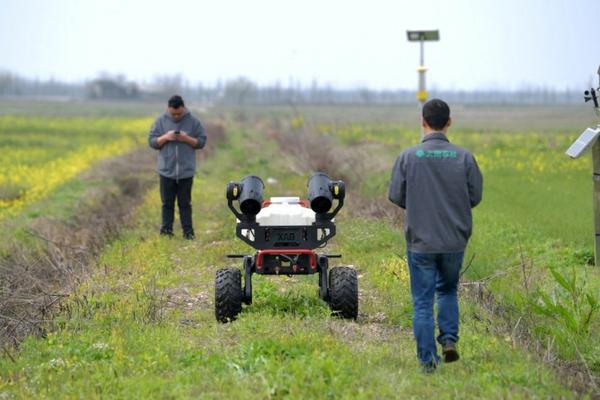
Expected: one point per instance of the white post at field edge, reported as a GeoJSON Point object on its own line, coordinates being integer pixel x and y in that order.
{"type": "Point", "coordinates": [589, 139]}
{"type": "Point", "coordinates": [422, 37]}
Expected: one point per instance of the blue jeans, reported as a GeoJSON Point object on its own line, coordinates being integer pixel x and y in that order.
{"type": "Point", "coordinates": [432, 274]}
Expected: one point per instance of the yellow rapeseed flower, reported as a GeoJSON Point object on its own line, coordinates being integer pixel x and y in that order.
{"type": "Point", "coordinates": [40, 154]}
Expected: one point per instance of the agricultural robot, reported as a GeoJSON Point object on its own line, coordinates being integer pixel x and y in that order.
{"type": "Point", "coordinates": [286, 231]}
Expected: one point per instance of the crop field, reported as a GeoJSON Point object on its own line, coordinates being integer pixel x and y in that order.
{"type": "Point", "coordinates": [139, 322]}
{"type": "Point", "coordinates": [41, 153]}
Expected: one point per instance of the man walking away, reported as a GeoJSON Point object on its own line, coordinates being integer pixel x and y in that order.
{"type": "Point", "coordinates": [177, 134]}
{"type": "Point", "coordinates": [437, 183]}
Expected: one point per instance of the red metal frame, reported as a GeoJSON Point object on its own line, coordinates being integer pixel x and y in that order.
{"type": "Point", "coordinates": [312, 256]}
{"type": "Point", "coordinates": [305, 203]}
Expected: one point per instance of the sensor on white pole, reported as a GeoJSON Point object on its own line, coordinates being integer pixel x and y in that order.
{"type": "Point", "coordinates": [589, 138]}
{"type": "Point", "coordinates": [422, 37]}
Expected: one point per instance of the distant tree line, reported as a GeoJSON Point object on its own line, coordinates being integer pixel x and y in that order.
{"type": "Point", "coordinates": [242, 91]}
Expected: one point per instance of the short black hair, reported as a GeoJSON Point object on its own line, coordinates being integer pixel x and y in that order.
{"type": "Point", "coordinates": [176, 101]}
{"type": "Point", "coordinates": [436, 113]}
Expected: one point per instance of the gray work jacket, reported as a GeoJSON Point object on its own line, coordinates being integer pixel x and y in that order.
{"type": "Point", "coordinates": [176, 160]}
{"type": "Point", "coordinates": [437, 183]}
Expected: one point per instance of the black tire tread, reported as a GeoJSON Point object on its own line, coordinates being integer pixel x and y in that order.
{"type": "Point", "coordinates": [228, 294]}
{"type": "Point", "coordinates": [343, 291]}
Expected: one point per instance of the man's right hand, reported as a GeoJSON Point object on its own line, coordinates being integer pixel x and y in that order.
{"type": "Point", "coordinates": [167, 137]}
{"type": "Point", "coordinates": [170, 136]}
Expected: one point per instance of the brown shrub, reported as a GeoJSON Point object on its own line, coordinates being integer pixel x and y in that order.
{"type": "Point", "coordinates": [37, 273]}
{"type": "Point", "coordinates": [312, 152]}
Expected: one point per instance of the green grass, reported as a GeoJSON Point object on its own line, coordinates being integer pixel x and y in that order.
{"type": "Point", "coordinates": [143, 324]}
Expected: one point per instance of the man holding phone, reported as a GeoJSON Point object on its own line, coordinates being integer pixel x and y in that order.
{"type": "Point", "coordinates": [177, 134]}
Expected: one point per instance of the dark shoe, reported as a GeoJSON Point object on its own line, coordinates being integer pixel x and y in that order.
{"type": "Point", "coordinates": [166, 232]}
{"type": "Point", "coordinates": [429, 368]}
{"type": "Point", "coordinates": [449, 352]}
{"type": "Point", "coordinates": [189, 236]}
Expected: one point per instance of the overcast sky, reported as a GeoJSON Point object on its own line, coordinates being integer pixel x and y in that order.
{"type": "Point", "coordinates": [500, 44]}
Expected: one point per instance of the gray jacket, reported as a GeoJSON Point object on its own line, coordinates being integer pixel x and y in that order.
{"type": "Point", "coordinates": [177, 160]}
{"type": "Point", "coordinates": [437, 183]}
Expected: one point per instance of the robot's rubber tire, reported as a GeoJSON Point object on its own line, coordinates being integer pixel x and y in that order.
{"type": "Point", "coordinates": [228, 294]}
{"type": "Point", "coordinates": [343, 292]}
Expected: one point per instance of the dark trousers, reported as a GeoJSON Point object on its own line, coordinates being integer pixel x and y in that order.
{"type": "Point", "coordinates": [180, 189]}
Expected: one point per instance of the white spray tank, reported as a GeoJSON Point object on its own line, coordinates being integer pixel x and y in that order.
{"type": "Point", "coordinates": [285, 211]}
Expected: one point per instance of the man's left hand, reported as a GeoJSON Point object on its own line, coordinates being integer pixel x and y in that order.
{"type": "Point", "coordinates": [184, 137]}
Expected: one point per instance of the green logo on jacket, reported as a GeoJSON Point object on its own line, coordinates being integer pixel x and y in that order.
{"type": "Point", "coordinates": [435, 154]}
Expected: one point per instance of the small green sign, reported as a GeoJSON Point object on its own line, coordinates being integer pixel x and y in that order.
{"type": "Point", "coordinates": [435, 154]}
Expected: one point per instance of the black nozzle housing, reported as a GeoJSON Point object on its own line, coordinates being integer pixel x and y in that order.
{"type": "Point", "coordinates": [319, 193]}
{"type": "Point", "coordinates": [251, 195]}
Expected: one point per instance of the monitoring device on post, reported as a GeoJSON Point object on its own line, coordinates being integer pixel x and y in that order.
{"type": "Point", "coordinates": [583, 142]}
{"type": "Point", "coordinates": [589, 138]}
